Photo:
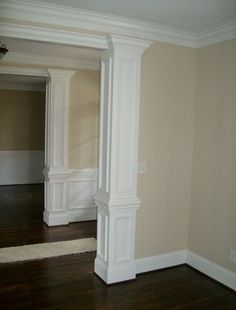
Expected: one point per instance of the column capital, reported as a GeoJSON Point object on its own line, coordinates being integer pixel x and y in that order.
{"type": "Point", "coordinates": [122, 43]}
{"type": "Point", "coordinates": [60, 74]}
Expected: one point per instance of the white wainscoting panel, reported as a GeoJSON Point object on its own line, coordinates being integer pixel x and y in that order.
{"type": "Point", "coordinates": [71, 196]}
{"type": "Point", "coordinates": [82, 185]}
{"type": "Point", "coordinates": [21, 167]}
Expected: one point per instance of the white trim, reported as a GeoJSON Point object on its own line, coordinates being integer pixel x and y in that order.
{"type": "Point", "coordinates": [219, 33]}
{"type": "Point", "coordinates": [200, 263]}
{"type": "Point", "coordinates": [161, 261]}
{"type": "Point", "coordinates": [211, 269]}
{"type": "Point", "coordinates": [116, 274]}
{"type": "Point", "coordinates": [50, 61]}
{"type": "Point", "coordinates": [80, 185]}
{"type": "Point", "coordinates": [54, 14]}
{"type": "Point", "coordinates": [52, 35]}
{"type": "Point", "coordinates": [24, 71]}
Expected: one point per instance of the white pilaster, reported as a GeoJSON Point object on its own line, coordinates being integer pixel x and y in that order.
{"type": "Point", "coordinates": [56, 149]}
{"type": "Point", "coordinates": [116, 198]}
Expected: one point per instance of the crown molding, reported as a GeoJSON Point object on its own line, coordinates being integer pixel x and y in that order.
{"type": "Point", "coordinates": [20, 31]}
{"type": "Point", "coordinates": [52, 14]}
{"type": "Point", "coordinates": [219, 33]}
{"type": "Point", "coordinates": [49, 61]}
{"type": "Point", "coordinates": [63, 16]}
{"type": "Point", "coordinates": [23, 71]}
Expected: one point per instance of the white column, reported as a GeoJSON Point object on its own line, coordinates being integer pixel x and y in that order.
{"type": "Point", "coordinates": [116, 198]}
{"type": "Point", "coordinates": [56, 148]}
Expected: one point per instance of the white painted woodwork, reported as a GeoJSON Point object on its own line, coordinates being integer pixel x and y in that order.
{"type": "Point", "coordinates": [188, 35]}
{"type": "Point", "coordinates": [56, 147]}
{"type": "Point", "coordinates": [116, 198]}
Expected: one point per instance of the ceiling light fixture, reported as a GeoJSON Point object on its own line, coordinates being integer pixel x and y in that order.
{"type": "Point", "coordinates": [3, 50]}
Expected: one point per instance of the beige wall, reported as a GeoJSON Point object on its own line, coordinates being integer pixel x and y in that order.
{"type": "Point", "coordinates": [166, 142]}
{"type": "Point", "coordinates": [212, 230]}
{"type": "Point", "coordinates": [21, 120]}
{"type": "Point", "coordinates": [84, 106]}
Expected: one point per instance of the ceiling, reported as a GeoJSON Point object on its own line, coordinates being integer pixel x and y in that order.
{"type": "Point", "coordinates": [191, 15]}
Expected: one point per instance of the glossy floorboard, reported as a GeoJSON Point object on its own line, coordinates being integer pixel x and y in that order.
{"type": "Point", "coordinates": [69, 283]}
{"type": "Point", "coordinates": [21, 219]}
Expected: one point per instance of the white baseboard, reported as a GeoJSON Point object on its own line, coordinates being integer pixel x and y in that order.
{"type": "Point", "coordinates": [161, 261]}
{"type": "Point", "coordinates": [212, 270]}
{"type": "Point", "coordinates": [203, 265]}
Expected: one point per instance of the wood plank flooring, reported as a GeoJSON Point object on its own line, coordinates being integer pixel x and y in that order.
{"type": "Point", "coordinates": [69, 283]}
{"type": "Point", "coordinates": [21, 219]}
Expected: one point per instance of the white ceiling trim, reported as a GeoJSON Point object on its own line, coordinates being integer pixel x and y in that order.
{"type": "Point", "coordinates": [24, 71]}
{"type": "Point", "coordinates": [82, 19]}
{"type": "Point", "coordinates": [52, 35]}
{"type": "Point", "coordinates": [49, 61]}
{"type": "Point", "coordinates": [217, 34]}
{"type": "Point", "coordinates": [52, 14]}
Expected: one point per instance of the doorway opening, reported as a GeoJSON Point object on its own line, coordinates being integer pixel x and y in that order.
{"type": "Point", "coordinates": [22, 151]}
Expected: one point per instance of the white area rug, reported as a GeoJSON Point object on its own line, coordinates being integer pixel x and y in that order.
{"type": "Point", "coordinates": [46, 250]}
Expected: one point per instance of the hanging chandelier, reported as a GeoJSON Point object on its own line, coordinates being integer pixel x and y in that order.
{"type": "Point", "coordinates": [3, 49]}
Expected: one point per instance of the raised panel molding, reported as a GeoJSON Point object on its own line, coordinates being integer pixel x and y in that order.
{"type": "Point", "coordinates": [70, 196]}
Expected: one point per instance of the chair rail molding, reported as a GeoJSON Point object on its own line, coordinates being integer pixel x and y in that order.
{"type": "Point", "coordinates": [116, 198]}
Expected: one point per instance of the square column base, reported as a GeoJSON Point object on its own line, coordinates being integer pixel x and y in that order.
{"type": "Point", "coordinates": [114, 275]}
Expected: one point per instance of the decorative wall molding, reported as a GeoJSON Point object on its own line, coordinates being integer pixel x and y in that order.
{"type": "Point", "coordinates": [49, 61]}
{"type": "Point", "coordinates": [219, 33]}
{"type": "Point", "coordinates": [52, 14]}
{"type": "Point", "coordinates": [52, 35]}
{"type": "Point", "coordinates": [74, 189]}
{"type": "Point", "coordinates": [212, 270]}
{"type": "Point", "coordinates": [24, 71]}
{"type": "Point", "coordinates": [21, 167]}
{"type": "Point", "coordinates": [56, 146]}
{"type": "Point", "coordinates": [161, 261]}
{"type": "Point", "coordinates": [116, 198]}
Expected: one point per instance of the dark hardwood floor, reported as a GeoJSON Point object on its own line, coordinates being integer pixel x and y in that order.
{"type": "Point", "coordinates": [69, 283]}
{"type": "Point", "coordinates": [21, 219]}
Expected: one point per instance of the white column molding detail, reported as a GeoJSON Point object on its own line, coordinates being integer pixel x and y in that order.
{"type": "Point", "coordinates": [56, 148]}
{"type": "Point", "coordinates": [116, 198]}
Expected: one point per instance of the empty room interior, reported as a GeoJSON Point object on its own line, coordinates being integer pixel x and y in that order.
{"type": "Point", "coordinates": [117, 154]}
